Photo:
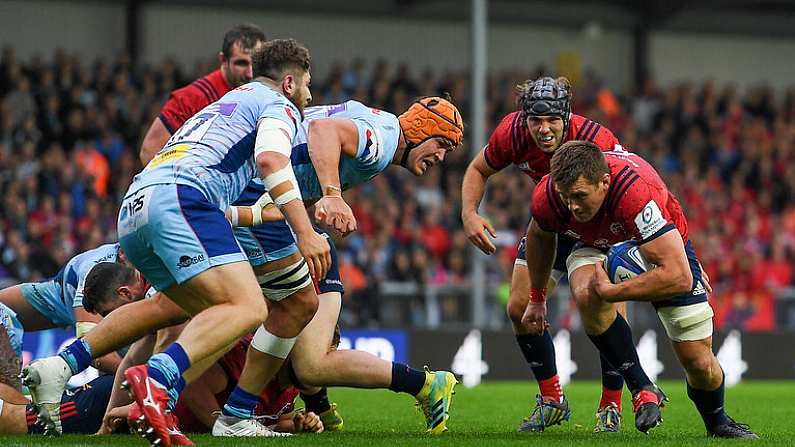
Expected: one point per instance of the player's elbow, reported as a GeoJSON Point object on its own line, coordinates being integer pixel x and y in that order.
{"type": "Point", "coordinates": [268, 162]}
{"type": "Point", "coordinates": [680, 280]}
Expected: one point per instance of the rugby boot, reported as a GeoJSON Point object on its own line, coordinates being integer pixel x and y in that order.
{"type": "Point", "coordinates": [332, 419]}
{"type": "Point", "coordinates": [732, 429]}
{"type": "Point", "coordinates": [547, 412]}
{"type": "Point", "coordinates": [608, 419]}
{"type": "Point", "coordinates": [646, 405]}
{"type": "Point", "coordinates": [152, 400]}
{"type": "Point", "coordinates": [46, 379]}
{"type": "Point", "coordinates": [230, 426]}
{"type": "Point", "coordinates": [434, 399]}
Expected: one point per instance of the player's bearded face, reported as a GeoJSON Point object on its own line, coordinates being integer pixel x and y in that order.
{"type": "Point", "coordinates": [428, 154]}
{"type": "Point", "coordinates": [583, 198]}
{"type": "Point", "coordinates": [238, 68]}
{"type": "Point", "coordinates": [296, 87]}
{"type": "Point", "coordinates": [547, 131]}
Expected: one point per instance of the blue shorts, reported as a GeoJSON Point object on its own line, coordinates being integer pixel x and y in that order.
{"type": "Point", "coordinates": [564, 248]}
{"type": "Point", "coordinates": [47, 298]}
{"type": "Point", "coordinates": [332, 282]}
{"type": "Point", "coordinates": [698, 293]}
{"type": "Point", "coordinates": [267, 242]}
{"type": "Point", "coordinates": [274, 240]}
{"type": "Point", "coordinates": [13, 328]}
{"type": "Point", "coordinates": [172, 233]}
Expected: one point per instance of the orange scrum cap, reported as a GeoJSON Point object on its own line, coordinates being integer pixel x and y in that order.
{"type": "Point", "coordinates": [430, 117]}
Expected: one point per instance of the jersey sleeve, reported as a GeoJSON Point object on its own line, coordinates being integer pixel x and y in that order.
{"type": "Point", "coordinates": [181, 105]}
{"type": "Point", "coordinates": [81, 284]}
{"type": "Point", "coordinates": [606, 140]}
{"type": "Point", "coordinates": [373, 147]}
{"type": "Point", "coordinates": [501, 148]}
{"type": "Point", "coordinates": [642, 211]}
{"type": "Point", "coordinates": [545, 209]}
{"type": "Point", "coordinates": [285, 111]}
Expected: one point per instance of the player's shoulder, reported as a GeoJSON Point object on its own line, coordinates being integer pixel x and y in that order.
{"type": "Point", "coordinates": [586, 129]}
{"type": "Point", "coordinates": [201, 90]}
{"type": "Point", "coordinates": [634, 182]}
{"type": "Point", "coordinates": [547, 204]}
{"type": "Point", "coordinates": [510, 133]}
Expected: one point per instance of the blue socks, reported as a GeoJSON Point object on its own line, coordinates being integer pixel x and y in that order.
{"type": "Point", "coordinates": [167, 367]}
{"type": "Point", "coordinates": [241, 404]}
{"type": "Point", "coordinates": [77, 356]}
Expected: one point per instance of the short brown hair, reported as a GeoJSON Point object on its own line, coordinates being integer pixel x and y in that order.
{"type": "Point", "coordinates": [246, 35]}
{"type": "Point", "coordinates": [575, 159]}
{"type": "Point", "coordinates": [102, 281]}
{"type": "Point", "coordinates": [278, 56]}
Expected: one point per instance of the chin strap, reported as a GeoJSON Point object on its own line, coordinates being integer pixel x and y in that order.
{"type": "Point", "coordinates": [405, 158]}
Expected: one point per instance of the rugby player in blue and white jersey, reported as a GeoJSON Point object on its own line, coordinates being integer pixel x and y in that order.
{"type": "Point", "coordinates": [346, 145]}
{"type": "Point", "coordinates": [57, 302]}
{"type": "Point", "coordinates": [173, 229]}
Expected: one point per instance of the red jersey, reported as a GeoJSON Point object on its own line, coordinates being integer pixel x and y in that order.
{"type": "Point", "coordinates": [277, 398]}
{"type": "Point", "coordinates": [511, 143]}
{"type": "Point", "coordinates": [638, 206]}
{"type": "Point", "coordinates": [185, 102]}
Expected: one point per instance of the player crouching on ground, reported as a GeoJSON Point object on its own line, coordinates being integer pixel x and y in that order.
{"type": "Point", "coordinates": [606, 198]}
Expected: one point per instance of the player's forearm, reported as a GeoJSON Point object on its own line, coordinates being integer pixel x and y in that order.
{"type": "Point", "coordinates": [108, 363]}
{"type": "Point", "coordinates": [243, 216]}
{"type": "Point", "coordinates": [656, 284]}
{"type": "Point", "coordinates": [472, 190]}
{"type": "Point", "coordinates": [540, 251]}
{"type": "Point", "coordinates": [156, 137]}
{"type": "Point", "coordinates": [200, 400]}
{"type": "Point", "coordinates": [138, 353]}
{"type": "Point", "coordinates": [325, 151]}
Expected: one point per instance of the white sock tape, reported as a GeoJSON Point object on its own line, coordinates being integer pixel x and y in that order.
{"type": "Point", "coordinates": [268, 343]}
{"type": "Point", "coordinates": [234, 216]}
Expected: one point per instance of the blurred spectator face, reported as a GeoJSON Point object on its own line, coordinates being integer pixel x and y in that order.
{"type": "Point", "coordinates": [237, 68]}
{"type": "Point", "coordinates": [547, 131]}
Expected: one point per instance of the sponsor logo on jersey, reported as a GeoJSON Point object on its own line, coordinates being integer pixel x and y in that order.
{"type": "Point", "coordinates": [616, 228]}
{"type": "Point", "coordinates": [187, 261]}
{"type": "Point", "coordinates": [171, 154]}
{"type": "Point", "coordinates": [572, 234]}
{"type": "Point", "coordinates": [650, 220]}
{"type": "Point", "coordinates": [601, 243]}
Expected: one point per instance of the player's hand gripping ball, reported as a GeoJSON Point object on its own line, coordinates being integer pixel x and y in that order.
{"type": "Point", "coordinates": [625, 261]}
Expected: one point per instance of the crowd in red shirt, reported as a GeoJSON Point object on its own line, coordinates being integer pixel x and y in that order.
{"type": "Point", "coordinates": [70, 130]}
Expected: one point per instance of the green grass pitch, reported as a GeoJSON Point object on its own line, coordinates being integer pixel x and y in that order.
{"type": "Point", "coordinates": [489, 414]}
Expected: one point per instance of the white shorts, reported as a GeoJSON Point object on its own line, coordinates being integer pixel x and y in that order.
{"type": "Point", "coordinates": [687, 323]}
{"type": "Point", "coordinates": [583, 256]}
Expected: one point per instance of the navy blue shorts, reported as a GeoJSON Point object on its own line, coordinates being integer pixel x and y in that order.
{"type": "Point", "coordinates": [332, 282]}
{"type": "Point", "coordinates": [698, 293]}
{"type": "Point", "coordinates": [82, 408]}
{"type": "Point", "coordinates": [564, 248]}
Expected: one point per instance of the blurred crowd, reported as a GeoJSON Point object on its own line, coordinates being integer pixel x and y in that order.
{"type": "Point", "coordinates": [70, 130]}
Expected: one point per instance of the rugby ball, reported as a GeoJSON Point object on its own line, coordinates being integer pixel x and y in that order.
{"type": "Point", "coordinates": [624, 261]}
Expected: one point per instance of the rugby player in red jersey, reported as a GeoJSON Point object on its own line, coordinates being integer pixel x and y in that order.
{"type": "Point", "coordinates": [235, 70]}
{"type": "Point", "coordinates": [527, 139]}
{"type": "Point", "coordinates": [602, 199]}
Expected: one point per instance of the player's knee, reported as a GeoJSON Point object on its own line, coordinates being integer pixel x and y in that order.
{"type": "Point", "coordinates": [303, 304]}
{"type": "Point", "coordinates": [255, 315]}
{"type": "Point", "coordinates": [583, 297]}
{"type": "Point", "coordinates": [702, 366]}
{"type": "Point", "coordinates": [515, 309]}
